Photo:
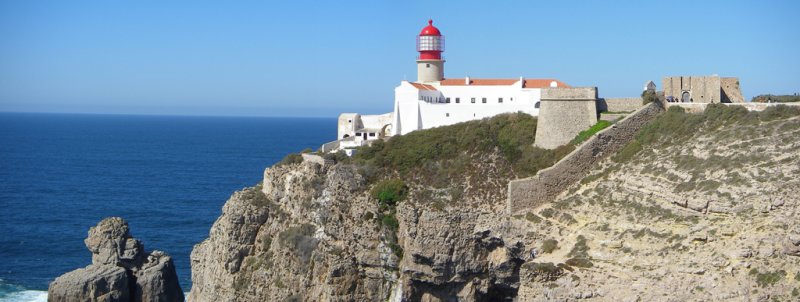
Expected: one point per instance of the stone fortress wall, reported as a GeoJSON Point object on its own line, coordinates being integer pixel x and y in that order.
{"type": "Point", "coordinates": [543, 187]}
{"type": "Point", "coordinates": [564, 113]}
{"type": "Point", "coordinates": [619, 104]}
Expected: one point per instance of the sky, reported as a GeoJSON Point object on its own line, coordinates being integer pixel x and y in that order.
{"type": "Point", "coordinates": [320, 58]}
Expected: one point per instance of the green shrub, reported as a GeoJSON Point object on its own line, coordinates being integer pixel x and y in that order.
{"type": "Point", "coordinates": [580, 248]}
{"type": "Point", "coordinates": [369, 216]}
{"type": "Point", "coordinates": [389, 191]}
{"type": "Point", "coordinates": [549, 245]}
{"type": "Point", "coordinates": [397, 250]}
{"type": "Point", "coordinates": [769, 278]}
{"type": "Point", "coordinates": [586, 134]}
{"type": "Point", "coordinates": [291, 158]}
{"type": "Point", "coordinates": [389, 221]}
{"type": "Point", "coordinates": [533, 218]}
{"type": "Point", "coordinates": [649, 97]}
{"type": "Point", "coordinates": [255, 197]}
{"type": "Point", "coordinates": [579, 262]}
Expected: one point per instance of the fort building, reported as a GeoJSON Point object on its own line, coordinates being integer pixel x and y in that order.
{"type": "Point", "coordinates": [434, 100]}
{"type": "Point", "coordinates": [702, 89]}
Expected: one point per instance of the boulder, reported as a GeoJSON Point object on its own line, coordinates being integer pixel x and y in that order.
{"type": "Point", "coordinates": [92, 283]}
{"type": "Point", "coordinates": [156, 279]}
{"type": "Point", "coordinates": [119, 270]}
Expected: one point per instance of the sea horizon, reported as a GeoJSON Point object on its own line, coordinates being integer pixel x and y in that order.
{"type": "Point", "coordinates": [169, 176]}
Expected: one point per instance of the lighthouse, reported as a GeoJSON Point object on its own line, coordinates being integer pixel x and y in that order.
{"type": "Point", "coordinates": [430, 45]}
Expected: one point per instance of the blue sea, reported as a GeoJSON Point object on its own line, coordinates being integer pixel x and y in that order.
{"type": "Point", "coordinates": [167, 175]}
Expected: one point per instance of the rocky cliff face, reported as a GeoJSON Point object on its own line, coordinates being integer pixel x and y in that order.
{"type": "Point", "coordinates": [311, 233]}
{"type": "Point", "coordinates": [712, 217]}
{"type": "Point", "coordinates": [120, 270]}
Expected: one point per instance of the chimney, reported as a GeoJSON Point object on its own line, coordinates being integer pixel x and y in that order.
{"type": "Point", "coordinates": [466, 80]}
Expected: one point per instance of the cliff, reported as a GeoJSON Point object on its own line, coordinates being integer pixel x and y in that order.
{"type": "Point", "coordinates": [706, 212]}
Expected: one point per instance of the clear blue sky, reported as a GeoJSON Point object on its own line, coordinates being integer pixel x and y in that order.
{"type": "Point", "coordinates": [303, 58]}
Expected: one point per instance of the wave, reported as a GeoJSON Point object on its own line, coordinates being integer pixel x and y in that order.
{"type": "Point", "coordinates": [24, 296]}
{"type": "Point", "coordinates": [16, 293]}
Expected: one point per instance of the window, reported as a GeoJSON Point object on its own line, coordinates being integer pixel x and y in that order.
{"type": "Point", "coordinates": [372, 134]}
{"type": "Point", "coordinates": [483, 100]}
{"type": "Point", "coordinates": [447, 100]}
{"type": "Point", "coordinates": [428, 65]}
{"type": "Point", "coordinates": [473, 100]}
{"type": "Point", "coordinates": [499, 100]}
{"type": "Point", "coordinates": [458, 100]}
{"type": "Point", "coordinates": [349, 121]}
{"type": "Point", "coordinates": [512, 99]}
{"type": "Point", "coordinates": [447, 114]}
{"type": "Point", "coordinates": [421, 98]}
{"type": "Point", "coordinates": [537, 105]}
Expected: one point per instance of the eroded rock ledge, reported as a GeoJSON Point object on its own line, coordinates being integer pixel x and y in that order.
{"type": "Point", "coordinates": [120, 270]}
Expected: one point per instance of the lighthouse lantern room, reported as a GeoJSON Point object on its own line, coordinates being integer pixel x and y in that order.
{"type": "Point", "coordinates": [430, 45]}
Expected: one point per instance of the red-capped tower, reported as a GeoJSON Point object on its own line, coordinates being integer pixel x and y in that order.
{"type": "Point", "coordinates": [430, 45]}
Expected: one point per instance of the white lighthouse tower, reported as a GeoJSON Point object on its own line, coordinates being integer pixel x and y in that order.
{"type": "Point", "coordinates": [430, 45]}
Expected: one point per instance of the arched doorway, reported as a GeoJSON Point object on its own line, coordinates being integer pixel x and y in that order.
{"type": "Point", "coordinates": [685, 98]}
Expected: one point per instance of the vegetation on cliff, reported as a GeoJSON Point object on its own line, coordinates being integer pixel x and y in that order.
{"type": "Point", "coordinates": [776, 98]}
{"type": "Point", "coordinates": [676, 125]}
{"type": "Point", "coordinates": [446, 152]}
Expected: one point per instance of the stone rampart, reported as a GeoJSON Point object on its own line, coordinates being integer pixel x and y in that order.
{"type": "Point", "coordinates": [565, 112]}
{"type": "Point", "coordinates": [619, 104]}
{"type": "Point", "coordinates": [531, 192]}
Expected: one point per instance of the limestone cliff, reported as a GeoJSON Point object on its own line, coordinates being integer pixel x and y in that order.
{"type": "Point", "coordinates": [311, 233]}
{"type": "Point", "coordinates": [709, 216]}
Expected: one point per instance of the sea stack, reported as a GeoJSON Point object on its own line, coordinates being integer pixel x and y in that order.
{"type": "Point", "coordinates": [120, 270]}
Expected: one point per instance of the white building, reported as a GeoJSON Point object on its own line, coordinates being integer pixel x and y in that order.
{"type": "Point", "coordinates": [434, 100]}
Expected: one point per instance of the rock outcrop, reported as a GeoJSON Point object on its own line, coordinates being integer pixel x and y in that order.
{"type": "Point", "coordinates": [120, 270]}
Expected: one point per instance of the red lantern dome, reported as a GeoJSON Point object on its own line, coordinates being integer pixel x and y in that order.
{"type": "Point", "coordinates": [430, 30]}
{"type": "Point", "coordinates": [430, 43]}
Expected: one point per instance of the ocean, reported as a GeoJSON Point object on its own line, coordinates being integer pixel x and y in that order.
{"type": "Point", "coordinates": [168, 176]}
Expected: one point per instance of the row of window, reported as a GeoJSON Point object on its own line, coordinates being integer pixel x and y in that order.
{"type": "Point", "coordinates": [535, 106]}
{"type": "Point", "coordinates": [431, 99]}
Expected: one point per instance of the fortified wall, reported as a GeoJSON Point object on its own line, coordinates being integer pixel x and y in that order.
{"type": "Point", "coordinates": [543, 187]}
{"type": "Point", "coordinates": [619, 104]}
{"type": "Point", "coordinates": [564, 113]}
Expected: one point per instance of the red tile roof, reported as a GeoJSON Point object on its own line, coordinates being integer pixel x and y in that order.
{"type": "Point", "coordinates": [423, 86]}
{"type": "Point", "coordinates": [542, 83]}
{"type": "Point", "coordinates": [529, 83]}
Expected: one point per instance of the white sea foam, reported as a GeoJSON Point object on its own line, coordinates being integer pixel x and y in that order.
{"type": "Point", "coordinates": [25, 296]}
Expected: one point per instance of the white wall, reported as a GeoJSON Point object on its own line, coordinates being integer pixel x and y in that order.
{"type": "Point", "coordinates": [376, 121]}
{"type": "Point", "coordinates": [413, 114]}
